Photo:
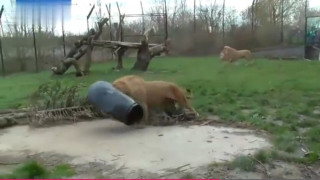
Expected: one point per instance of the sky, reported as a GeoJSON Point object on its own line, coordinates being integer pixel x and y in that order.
{"type": "Point", "coordinates": [76, 13]}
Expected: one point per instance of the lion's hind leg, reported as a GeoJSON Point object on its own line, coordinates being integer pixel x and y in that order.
{"type": "Point", "coordinates": [181, 99]}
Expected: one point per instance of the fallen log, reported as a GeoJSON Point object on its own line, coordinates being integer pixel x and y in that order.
{"type": "Point", "coordinates": [117, 44]}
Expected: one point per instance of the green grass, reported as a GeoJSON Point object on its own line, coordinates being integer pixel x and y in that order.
{"type": "Point", "coordinates": [276, 93]}
{"type": "Point", "coordinates": [264, 156]}
{"type": "Point", "coordinates": [33, 170]}
{"type": "Point", "coordinates": [244, 163]}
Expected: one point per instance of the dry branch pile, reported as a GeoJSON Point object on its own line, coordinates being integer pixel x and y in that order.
{"type": "Point", "coordinates": [45, 118]}
{"type": "Point", "coordinates": [62, 116]}
{"type": "Point", "coordinates": [53, 104]}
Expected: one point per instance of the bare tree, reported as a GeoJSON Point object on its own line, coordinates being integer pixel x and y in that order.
{"type": "Point", "coordinates": [270, 12]}
{"type": "Point", "coordinates": [211, 16]}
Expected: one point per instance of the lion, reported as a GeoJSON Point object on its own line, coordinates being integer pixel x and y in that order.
{"type": "Point", "coordinates": [231, 55]}
{"type": "Point", "coordinates": [153, 95]}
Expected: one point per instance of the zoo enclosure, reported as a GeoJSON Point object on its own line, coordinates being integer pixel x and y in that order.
{"type": "Point", "coordinates": [199, 28]}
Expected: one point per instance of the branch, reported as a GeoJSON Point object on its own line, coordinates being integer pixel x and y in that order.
{"type": "Point", "coordinates": [157, 50]}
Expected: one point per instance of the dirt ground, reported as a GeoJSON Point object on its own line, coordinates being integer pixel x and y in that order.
{"type": "Point", "coordinates": [109, 149]}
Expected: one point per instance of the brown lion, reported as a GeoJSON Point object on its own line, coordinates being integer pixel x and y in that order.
{"type": "Point", "coordinates": [230, 54]}
{"type": "Point", "coordinates": [152, 94]}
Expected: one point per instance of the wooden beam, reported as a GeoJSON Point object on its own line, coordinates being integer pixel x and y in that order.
{"type": "Point", "coordinates": [117, 44]}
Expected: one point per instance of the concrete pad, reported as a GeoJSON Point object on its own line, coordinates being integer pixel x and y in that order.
{"type": "Point", "coordinates": [152, 149]}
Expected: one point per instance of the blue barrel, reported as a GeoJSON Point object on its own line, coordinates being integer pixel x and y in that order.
{"type": "Point", "coordinates": [110, 100]}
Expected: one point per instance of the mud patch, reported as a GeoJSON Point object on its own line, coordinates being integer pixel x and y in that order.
{"type": "Point", "coordinates": [151, 149]}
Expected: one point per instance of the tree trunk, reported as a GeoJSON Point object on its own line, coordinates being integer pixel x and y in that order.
{"type": "Point", "coordinates": [143, 57]}
{"type": "Point", "coordinates": [88, 59]}
{"type": "Point", "coordinates": [145, 54]}
{"type": "Point", "coordinates": [120, 54]}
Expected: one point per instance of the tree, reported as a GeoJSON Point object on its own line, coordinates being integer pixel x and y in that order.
{"type": "Point", "coordinates": [211, 16]}
{"type": "Point", "coordinates": [270, 11]}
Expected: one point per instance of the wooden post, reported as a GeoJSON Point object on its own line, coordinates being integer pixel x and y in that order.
{"type": "Point", "coordinates": [88, 16]}
{"type": "Point", "coordinates": [1, 11]}
{"type": "Point", "coordinates": [35, 49]}
{"type": "Point", "coordinates": [143, 23]}
{"type": "Point", "coordinates": [223, 23]}
{"type": "Point", "coordinates": [110, 24]}
{"type": "Point", "coordinates": [110, 28]}
{"type": "Point", "coordinates": [1, 53]}
{"type": "Point", "coordinates": [166, 19]}
{"type": "Point", "coordinates": [34, 40]}
{"type": "Point", "coordinates": [120, 54]}
{"type": "Point", "coordinates": [63, 36]}
{"type": "Point", "coordinates": [282, 19]}
{"type": "Point", "coordinates": [121, 51]}
{"type": "Point", "coordinates": [121, 17]}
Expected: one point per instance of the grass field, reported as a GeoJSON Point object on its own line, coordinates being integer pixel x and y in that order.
{"type": "Point", "coordinates": [281, 97]}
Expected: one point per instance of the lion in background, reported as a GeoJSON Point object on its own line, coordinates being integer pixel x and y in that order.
{"type": "Point", "coordinates": [152, 95]}
{"type": "Point", "coordinates": [231, 55]}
